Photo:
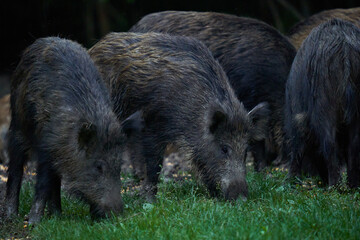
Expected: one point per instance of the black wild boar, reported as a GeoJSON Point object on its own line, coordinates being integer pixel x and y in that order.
{"type": "Point", "coordinates": [254, 55]}
{"type": "Point", "coordinates": [62, 117]}
{"type": "Point", "coordinates": [4, 127]}
{"type": "Point", "coordinates": [322, 118]}
{"type": "Point", "coordinates": [186, 101]}
{"type": "Point", "coordinates": [301, 30]}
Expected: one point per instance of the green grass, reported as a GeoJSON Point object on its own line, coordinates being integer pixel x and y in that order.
{"type": "Point", "coordinates": [184, 210]}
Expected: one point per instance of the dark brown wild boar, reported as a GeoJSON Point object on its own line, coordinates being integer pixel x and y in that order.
{"type": "Point", "coordinates": [254, 55]}
{"type": "Point", "coordinates": [322, 118]}
{"type": "Point", "coordinates": [186, 101]}
{"type": "Point", "coordinates": [62, 116]}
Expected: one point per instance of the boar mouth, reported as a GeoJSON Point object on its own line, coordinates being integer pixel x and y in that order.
{"type": "Point", "coordinates": [104, 208]}
{"type": "Point", "coordinates": [99, 212]}
{"type": "Point", "coordinates": [232, 190]}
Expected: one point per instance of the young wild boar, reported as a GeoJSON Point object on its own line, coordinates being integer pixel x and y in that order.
{"type": "Point", "coordinates": [254, 55]}
{"type": "Point", "coordinates": [62, 117]}
{"type": "Point", "coordinates": [322, 97]}
{"type": "Point", "coordinates": [186, 101]}
{"type": "Point", "coordinates": [301, 30]}
{"type": "Point", "coordinates": [4, 127]}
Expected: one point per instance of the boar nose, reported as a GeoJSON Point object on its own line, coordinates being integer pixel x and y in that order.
{"type": "Point", "coordinates": [112, 203]}
{"type": "Point", "coordinates": [235, 190]}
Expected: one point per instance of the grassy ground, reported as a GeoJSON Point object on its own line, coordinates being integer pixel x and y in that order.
{"type": "Point", "coordinates": [184, 210]}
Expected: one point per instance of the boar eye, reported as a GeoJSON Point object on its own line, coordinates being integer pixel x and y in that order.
{"type": "Point", "coordinates": [99, 167]}
{"type": "Point", "coordinates": [225, 149]}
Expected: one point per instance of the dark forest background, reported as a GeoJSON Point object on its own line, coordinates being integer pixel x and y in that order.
{"type": "Point", "coordinates": [86, 21]}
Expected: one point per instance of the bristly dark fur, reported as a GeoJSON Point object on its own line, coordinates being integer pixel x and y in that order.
{"type": "Point", "coordinates": [62, 117]}
{"type": "Point", "coordinates": [301, 30]}
{"type": "Point", "coordinates": [186, 100]}
{"type": "Point", "coordinates": [254, 55]}
{"type": "Point", "coordinates": [322, 96]}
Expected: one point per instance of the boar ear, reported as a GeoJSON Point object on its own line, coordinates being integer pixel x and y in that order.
{"type": "Point", "coordinates": [217, 119]}
{"type": "Point", "coordinates": [259, 117]}
{"type": "Point", "coordinates": [134, 123]}
{"type": "Point", "coordinates": [87, 136]}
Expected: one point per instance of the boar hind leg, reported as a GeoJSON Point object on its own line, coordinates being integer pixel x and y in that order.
{"type": "Point", "coordinates": [297, 151]}
{"type": "Point", "coordinates": [47, 188]}
{"type": "Point", "coordinates": [18, 157]}
{"type": "Point", "coordinates": [333, 165]}
{"type": "Point", "coordinates": [353, 161]}
{"type": "Point", "coordinates": [320, 166]}
{"type": "Point", "coordinates": [329, 147]}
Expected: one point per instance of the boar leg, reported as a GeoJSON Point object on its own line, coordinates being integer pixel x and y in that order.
{"type": "Point", "coordinates": [259, 154]}
{"type": "Point", "coordinates": [18, 157]}
{"type": "Point", "coordinates": [46, 180]}
{"type": "Point", "coordinates": [153, 154]}
{"type": "Point", "coordinates": [333, 166]}
{"type": "Point", "coordinates": [296, 156]}
{"type": "Point", "coordinates": [353, 161]}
